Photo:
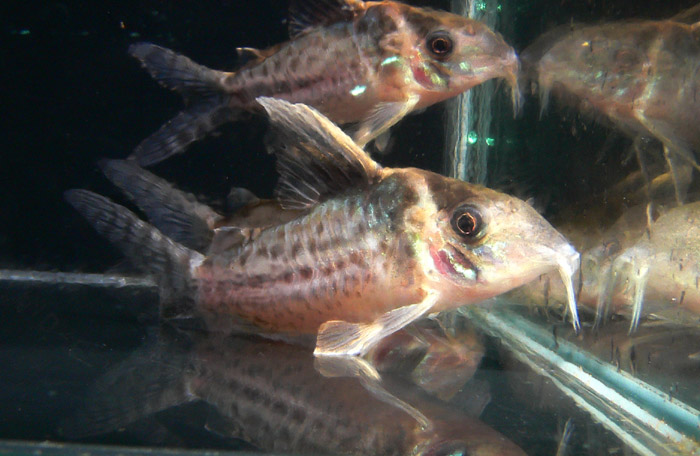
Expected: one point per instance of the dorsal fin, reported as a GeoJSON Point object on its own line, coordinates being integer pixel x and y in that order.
{"type": "Point", "coordinates": [249, 54]}
{"type": "Point", "coordinates": [688, 16]}
{"type": "Point", "coordinates": [305, 14]}
{"type": "Point", "coordinates": [315, 159]}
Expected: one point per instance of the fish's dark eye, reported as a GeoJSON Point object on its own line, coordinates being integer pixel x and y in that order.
{"type": "Point", "coordinates": [467, 222]}
{"type": "Point", "coordinates": [440, 44]}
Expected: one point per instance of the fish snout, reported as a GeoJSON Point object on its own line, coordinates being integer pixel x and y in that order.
{"type": "Point", "coordinates": [512, 75]}
{"type": "Point", "coordinates": [499, 60]}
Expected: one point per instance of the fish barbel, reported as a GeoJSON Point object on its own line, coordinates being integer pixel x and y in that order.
{"type": "Point", "coordinates": [641, 75]}
{"type": "Point", "coordinates": [271, 395]}
{"type": "Point", "coordinates": [365, 63]}
{"type": "Point", "coordinates": [371, 249]}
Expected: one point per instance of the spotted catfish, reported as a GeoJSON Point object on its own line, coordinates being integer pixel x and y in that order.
{"type": "Point", "coordinates": [362, 63]}
{"type": "Point", "coordinates": [371, 250]}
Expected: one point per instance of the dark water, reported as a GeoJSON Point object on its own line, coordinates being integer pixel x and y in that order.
{"type": "Point", "coordinates": [70, 95]}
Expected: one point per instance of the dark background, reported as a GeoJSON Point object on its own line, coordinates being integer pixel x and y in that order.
{"type": "Point", "coordinates": [70, 94]}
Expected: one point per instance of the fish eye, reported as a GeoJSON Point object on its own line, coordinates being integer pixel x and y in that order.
{"type": "Point", "coordinates": [440, 44]}
{"type": "Point", "coordinates": [467, 222]}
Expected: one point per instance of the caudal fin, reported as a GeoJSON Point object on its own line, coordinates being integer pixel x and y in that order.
{"type": "Point", "coordinates": [151, 379]}
{"type": "Point", "coordinates": [170, 263]}
{"type": "Point", "coordinates": [207, 101]}
{"type": "Point", "coordinates": [177, 214]}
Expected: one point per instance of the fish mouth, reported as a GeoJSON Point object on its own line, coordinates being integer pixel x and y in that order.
{"type": "Point", "coordinates": [451, 262]}
{"type": "Point", "coordinates": [512, 75]}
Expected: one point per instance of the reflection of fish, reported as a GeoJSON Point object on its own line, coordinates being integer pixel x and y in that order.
{"type": "Point", "coordinates": [356, 62]}
{"type": "Point", "coordinates": [642, 75]}
{"type": "Point", "coordinates": [640, 267]}
{"type": "Point", "coordinates": [271, 395]}
{"type": "Point", "coordinates": [439, 361]}
{"type": "Point", "coordinates": [664, 267]}
{"type": "Point", "coordinates": [371, 250]}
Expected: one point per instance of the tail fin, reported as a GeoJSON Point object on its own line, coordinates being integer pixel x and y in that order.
{"type": "Point", "coordinates": [170, 263]}
{"type": "Point", "coordinates": [177, 214]}
{"type": "Point", "coordinates": [204, 94]}
{"type": "Point", "coordinates": [150, 380]}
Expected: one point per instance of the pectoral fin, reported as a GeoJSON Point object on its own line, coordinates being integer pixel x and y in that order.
{"type": "Point", "coordinates": [382, 118]}
{"type": "Point", "coordinates": [340, 338]}
{"type": "Point", "coordinates": [355, 367]}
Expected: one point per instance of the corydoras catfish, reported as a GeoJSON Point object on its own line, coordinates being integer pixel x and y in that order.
{"type": "Point", "coordinates": [371, 250]}
{"type": "Point", "coordinates": [641, 75]}
{"type": "Point", "coordinates": [365, 63]}
{"type": "Point", "coordinates": [271, 395]}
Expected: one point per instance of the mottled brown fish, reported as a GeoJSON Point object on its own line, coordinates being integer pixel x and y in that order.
{"type": "Point", "coordinates": [642, 75]}
{"type": "Point", "coordinates": [365, 63]}
{"type": "Point", "coordinates": [370, 250]}
{"type": "Point", "coordinates": [271, 395]}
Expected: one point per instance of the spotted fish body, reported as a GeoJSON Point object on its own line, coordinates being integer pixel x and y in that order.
{"type": "Point", "coordinates": [364, 63]}
{"type": "Point", "coordinates": [371, 250]}
{"type": "Point", "coordinates": [339, 261]}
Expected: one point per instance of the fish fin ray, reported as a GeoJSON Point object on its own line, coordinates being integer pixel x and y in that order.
{"type": "Point", "coordinates": [341, 338]}
{"type": "Point", "coordinates": [149, 250]}
{"type": "Point", "coordinates": [206, 97]}
{"type": "Point", "coordinates": [177, 214]}
{"type": "Point", "coordinates": [315, 159]}
{"type": "Point", "coordinates": [239, 197]}
{"type": "Point", "coordinates": [150, 380]}
{"type": "Point", "coordinates": [248, 55]}
{"type": "Point", "coordinates": [177, 72]}
{"type": "Point", "coordinates": [190, 125]}
{"type": "Point", "coordinates": [382, 143]}
{"type": "Point", "coordinates": [688, 16]}
{"type": "Point", "coordinates": [366, 373]}
{"type": "Point", "coordinates": [383, 116]}
{"type": "Point", "coordinates": [308, 14]}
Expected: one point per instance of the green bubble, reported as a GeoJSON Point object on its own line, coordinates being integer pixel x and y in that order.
{"type": "Point", "coordinates": [490, 141]}
{"type": "Point", "coordinates": [24, 32]}
{"type": "Point", "coordinates": [472, 137]}
{"type": "Point", "coordinates": [499, 8]}
{"type": "Point", "coordinates": [481, 6]}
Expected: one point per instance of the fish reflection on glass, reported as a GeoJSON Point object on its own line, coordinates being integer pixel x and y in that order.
{"type": "Point", "coordinates": [439, 361]}
{"type": "Point", "coordinates": [641, 267]}
{"type": "Point", "coordinates": [371, 249]}
{"type": "Point", "coordinates": [642, 75]}
{"type": "Point", "coordinates": [661, 270]}
{"type": "Point", "coordinates": [363, 63]}
{"type": "Point", "coordinates": [270, 395]}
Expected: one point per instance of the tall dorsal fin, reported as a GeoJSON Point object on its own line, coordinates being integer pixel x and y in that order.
{"type": "Point", "coordinates": [688, 16]}
{"type": "Point", "coordinates": [305, 14]}
{"type": "Point", "coordinates": [315, 159]}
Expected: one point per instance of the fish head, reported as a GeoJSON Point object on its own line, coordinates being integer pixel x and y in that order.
{"type": "Point", "coordinates": [599, 64]}
{"type": "Point", "coordinates": [452, 54]}
{"type": "Point", "coordinates": [479, 243]}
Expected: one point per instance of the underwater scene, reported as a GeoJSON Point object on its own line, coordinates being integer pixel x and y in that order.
{"type": "Point", "coordinates": [347, 227]}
